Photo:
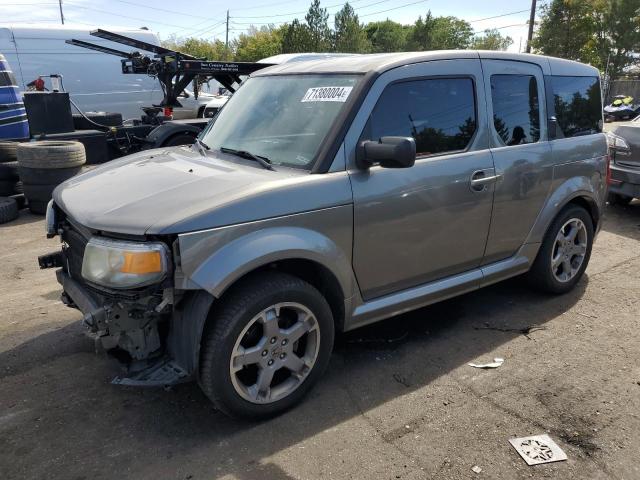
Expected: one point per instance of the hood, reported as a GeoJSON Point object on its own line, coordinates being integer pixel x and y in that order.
{"type": "Point", "coordinates": [177, 190]}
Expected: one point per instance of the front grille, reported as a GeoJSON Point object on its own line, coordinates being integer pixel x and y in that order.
{"type": "Point", "coordinates": [73, 251]}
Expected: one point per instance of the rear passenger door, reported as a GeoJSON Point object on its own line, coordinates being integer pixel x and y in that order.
{"type": "Point", "coordinates": [419, 224]}
{"type": "Point", "coordinates": [521, 152]}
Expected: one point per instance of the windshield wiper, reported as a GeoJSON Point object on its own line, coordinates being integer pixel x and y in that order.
{"type": "Point", "coordinates": [202, 147]}
{"type": "Point", "coordinates": [264, 161]}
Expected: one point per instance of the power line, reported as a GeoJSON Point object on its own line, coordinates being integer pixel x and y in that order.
{"type": "Point", "coordinates": [124, 16]}
{"type": "Point", "coordinates": [395, 8]}
{"type": "Point", "coordinates": [499, 16]}
{"type": "Point", "coordinates": [301, 13]}
{"type": "Point", "coordinates": [174, 12]}
{"type": "Point", "coordinates": [331, 14]}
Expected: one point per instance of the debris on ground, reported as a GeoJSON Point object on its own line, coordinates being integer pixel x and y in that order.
{"type": "Point", "coordinates": [524, 331]}
{"type": "Point", "coordinates": [476, 469]}
{"type": "Point", "coordinates": [495, 364]}
{"type": "Point", "coordinates": [538, 449]}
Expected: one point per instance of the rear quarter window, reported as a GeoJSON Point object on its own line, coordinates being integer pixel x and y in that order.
{"type": "Point", "coordinates": [577, 104]}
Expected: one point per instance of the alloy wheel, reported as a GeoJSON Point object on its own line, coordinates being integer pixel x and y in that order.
{"type": "Point", "coordinates": [275, 353]}
{"type": "Point", "coordinates": [569, 250]}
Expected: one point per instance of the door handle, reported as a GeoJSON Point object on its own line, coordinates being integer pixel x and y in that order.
{"type": "Point", "coordinates": [480, 179]}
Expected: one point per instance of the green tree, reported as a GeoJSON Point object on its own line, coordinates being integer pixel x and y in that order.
{"type": "Point", "coordinates": [451, 33]}
{"type": "Point", "coordinates": [600, 32]}
{"type": "Point", "coordinates": [566, 26]}
{"type": "Point", "coordinates": [207, 49]}
{"type": "Point", "coordinates": [439, 33]}
{"type": "Point", "coordinates": [349, 35]}
{"type": "Point", "coordinates": [420, 35]}
{"type": "Point", "coordinates": [317, 20]}
{"type": "Point", "coordinates": [386, 36]}
{"type": "Point", "coordinates": [491, 39]}
{"type": "Point", "coordinates": [258, 43]}
{"type": "Point", "coordinates": [296, 38]}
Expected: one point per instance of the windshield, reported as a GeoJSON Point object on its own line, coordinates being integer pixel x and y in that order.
{"type": "Point", "coordinates": [283, 118]}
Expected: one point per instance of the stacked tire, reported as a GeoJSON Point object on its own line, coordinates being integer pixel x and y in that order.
{"type": "Point", "coordinates": [9, 180]}
{"type": "Point", "coordinates": [43, 165]}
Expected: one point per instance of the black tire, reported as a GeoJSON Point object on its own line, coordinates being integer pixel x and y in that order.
{"type": "Point", "coordinates": [40, 193]}
{"type": "Point", "coordinates": [51, 154]}
{"type": "Point", "coordinates": [7, 188]}
{"type": "Point", "coordinates": [541, 276]}
{"type": "Point", "coordinates": [20, 200]}
{"type": "Point", "coordinates": [37, 207]}
{"type": "Point", "coordinates": [8, 209]}
{"type": "Point", "coordinates": [617, 199]}
{"type": "Point", "coordinates": [8, 151]}
{"type": "Point", "coordinates": [231, 316]}
{"type": "Point", "coordinates": [19, 187]}
{"type": "Point", "coordinates": [9, 171]}
{"type": "Point", "coordinates": [104, 119]}
{"type": "Point", "coordinates": [179, 139]}
{"type": "Point", "coordinates": [47, 176]}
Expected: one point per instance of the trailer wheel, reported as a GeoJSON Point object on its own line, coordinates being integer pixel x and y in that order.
{"type": "Point", "coordinates": [8, 209]}
{"type": "Point", "coordinates": [179, 139]}
{"type": "Point", "coordinates": [8, 151]}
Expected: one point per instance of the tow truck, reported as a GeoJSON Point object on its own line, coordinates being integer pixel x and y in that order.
{"type": "Point", "coordinates": [175, 71]}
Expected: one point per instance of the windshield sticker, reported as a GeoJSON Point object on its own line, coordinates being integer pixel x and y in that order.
{"type": "Point", "coordinates": [327, 94]}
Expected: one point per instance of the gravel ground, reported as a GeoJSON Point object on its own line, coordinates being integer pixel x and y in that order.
{"type": "Point", "coordinates": [398, 401]}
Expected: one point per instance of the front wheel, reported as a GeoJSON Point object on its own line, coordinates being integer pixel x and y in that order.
{"type": "Point", "coordinates": [564, 253]}
{"type": "Point", "coordinates": [268, 343]}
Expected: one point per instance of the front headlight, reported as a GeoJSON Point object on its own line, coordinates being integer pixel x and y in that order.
{"type": "Point", "coordinates": [121, 264]}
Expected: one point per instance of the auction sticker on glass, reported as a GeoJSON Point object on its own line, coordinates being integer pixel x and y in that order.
{"type": "Point", "coordinates": [327, 94]}
{"type": "Point", "coordinates": [538, 449]}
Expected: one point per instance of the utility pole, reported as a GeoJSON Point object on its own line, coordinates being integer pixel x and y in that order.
{"type": "Point", "coordinates": [226, 41]}
{"type": "Point", "coordinates": [61, 15]}
{"type": "Point", "coordinates": [532, 20]}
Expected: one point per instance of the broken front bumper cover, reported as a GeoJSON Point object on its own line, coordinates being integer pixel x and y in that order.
{"type": "Point", "coordinates": [158, 372]}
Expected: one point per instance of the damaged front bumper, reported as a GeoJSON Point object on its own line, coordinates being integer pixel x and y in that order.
{"type": "Point", "coordinates": [133, 325]}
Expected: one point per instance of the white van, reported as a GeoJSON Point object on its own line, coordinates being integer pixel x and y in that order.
{"type": "Point", "coordinates": [94, 80]}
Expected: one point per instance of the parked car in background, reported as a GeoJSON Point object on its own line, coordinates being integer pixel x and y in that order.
{"type": "Point", "coordinates": [214, 105]}
{"type": "Point", "coordinates": [13, 117]}
{"type": "Point", "coordinates": [94, 80]}
{"type": "Point", "coordinates": [624, 142]}
{"type": "Point", "coordinates": [192, 107]}
{"type": "Point", "coordinates": [327, 195]}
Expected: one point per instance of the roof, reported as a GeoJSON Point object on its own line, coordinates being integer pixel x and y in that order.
{"type": "Point", "coordinates": [380, 62]}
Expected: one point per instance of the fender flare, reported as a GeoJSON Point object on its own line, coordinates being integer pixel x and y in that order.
{"type": "Point", "coordinates": [559, 199]}
{"type": "Point", "coordinates": [235, 260]}
{"type": "Point", "coordinates": [256, 249]}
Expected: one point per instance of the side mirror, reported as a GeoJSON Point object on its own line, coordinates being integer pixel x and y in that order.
{"type": "Point", "coordinates": [389, 152]}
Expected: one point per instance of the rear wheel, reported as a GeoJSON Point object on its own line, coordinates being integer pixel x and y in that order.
{"type": "Point", "coordinates": [565, 252]}
{"type": "Point", "coordinates": [267, 345]}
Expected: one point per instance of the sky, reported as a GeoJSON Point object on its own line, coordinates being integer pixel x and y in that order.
{"type": "Point", "coordinates": [207, 18]}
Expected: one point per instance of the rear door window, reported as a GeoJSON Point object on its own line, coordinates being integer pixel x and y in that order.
{"type": "Point", "coordinates": [578, 107]}
{"type": "Point", "coordinates": [516, 110]}
{"type": "Point", "coordinates": [439, 113]}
